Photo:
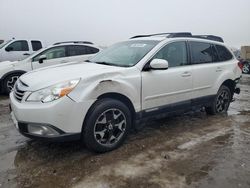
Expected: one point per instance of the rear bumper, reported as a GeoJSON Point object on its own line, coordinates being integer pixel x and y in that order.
{"type": "Point", "coordinates": [237, 88]}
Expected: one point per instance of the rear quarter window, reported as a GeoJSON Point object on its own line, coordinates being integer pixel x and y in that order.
{"type": "Point", "coordinates": [223, 53]}
{"type": "Point", "coordinates": [36, 45]}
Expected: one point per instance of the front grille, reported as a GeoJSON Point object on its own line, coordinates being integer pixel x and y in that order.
{"type": "Point", "coordinates": [18, 93]}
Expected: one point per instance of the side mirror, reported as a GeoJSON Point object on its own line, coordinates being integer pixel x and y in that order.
{"type": "Point", "coordinates": [8, 49]}
{"type": "Point", "coordinates": [42, 58]}
{"type": "Point", "coordinates": [159, 64]}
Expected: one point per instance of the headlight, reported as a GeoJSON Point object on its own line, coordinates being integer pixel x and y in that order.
{"type": "Point", "coordinates": [53, 92]}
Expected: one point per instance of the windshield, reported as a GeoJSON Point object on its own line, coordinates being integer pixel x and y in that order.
{"type": "Point", "coordinates": [124, 54]}
{"type": "Point", "coordinates": [4, 44]}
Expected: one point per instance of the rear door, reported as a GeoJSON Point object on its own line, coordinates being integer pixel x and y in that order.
{"type": "Point", "coordinates": [205, 68]}
{"type": "Point", "coordinates": [168, 88]}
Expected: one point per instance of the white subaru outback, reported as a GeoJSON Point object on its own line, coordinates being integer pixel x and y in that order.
{"type": "Point", "coordinates": [99, 101]}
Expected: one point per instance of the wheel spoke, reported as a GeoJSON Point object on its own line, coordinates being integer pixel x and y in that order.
{"type": "Point", "coordinates": [119, 125]}
{"type": "Point", "coordinates": [103, 120]}
{"type": "Point", "coordinates": [116, 115]}
{"type": "Point", "coordinates": [112, 137]}
{"type": "Point", "coordinates": [100, 133]}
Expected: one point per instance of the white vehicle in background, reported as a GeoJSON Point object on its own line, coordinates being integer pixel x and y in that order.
{"type": "Point", "coordinates": [58, 53]}
{"type": "Point", "coordinates": [18, 49]}
{"type": "Point", "coordinates": [143, 78]}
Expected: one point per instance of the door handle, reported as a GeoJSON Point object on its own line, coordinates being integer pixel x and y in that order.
{"type": "Point", "coordinates": [26, 54]}
{"type": "Point", "coordinates": [63, 61]}
{"type": "Point", "coordinates": [186, 74]}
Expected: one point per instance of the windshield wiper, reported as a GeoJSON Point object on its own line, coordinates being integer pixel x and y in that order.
{"type": "Point", "coordinates": [104, 63]}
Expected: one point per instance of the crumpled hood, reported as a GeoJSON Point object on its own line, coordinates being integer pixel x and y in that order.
{"type": "Point", "coordinates": [42, 78]}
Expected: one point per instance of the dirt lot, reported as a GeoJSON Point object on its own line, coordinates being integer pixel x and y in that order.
{"type": "Point", "coordinates": [192, 150]}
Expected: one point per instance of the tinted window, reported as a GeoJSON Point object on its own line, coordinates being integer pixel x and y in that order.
{"type": "Point", "coordinates": [36, 45]}
{"type": "Point", "coordinates": [81, 50]}
{"type": "Point", "coordinates": [52, 53]}
{"type": "Point", "coordinates": [223, 53]}
{"type": "Point", "coordinates": [175, 53]}
{"type": "Point", "coordinates": [214, 54]}
{"type": "Point", "coordinates": [91, 50]}
{"type": "Point", "coordinates": [202, 52]}
{"type": "Point", "coordinates": [21, 45]}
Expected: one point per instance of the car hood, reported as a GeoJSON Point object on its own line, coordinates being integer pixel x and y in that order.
{"type": "Point", "coordinates": [48, 76]}
{"type": "Point", "coordinates": [4, 64]}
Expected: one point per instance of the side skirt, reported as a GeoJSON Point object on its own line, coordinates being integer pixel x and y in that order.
{"type": "Point", "coordinates": [172, 109]}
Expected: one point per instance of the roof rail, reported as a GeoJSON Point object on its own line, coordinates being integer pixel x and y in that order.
{"type": "Point", "coordinates": [75, 42]}
{"type": "Point", "coordinates": [209, 37]}
{"type": "Point", "coordinates": [168, 35]}
{"type": "Point", "coordinates": [182, 34]}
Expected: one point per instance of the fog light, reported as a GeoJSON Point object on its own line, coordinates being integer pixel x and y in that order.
{"type": "Point", "coordinates": [42, 130]}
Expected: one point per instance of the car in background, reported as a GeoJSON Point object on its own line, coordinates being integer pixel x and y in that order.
{"type": "Point", "coordinates": [17, 49]}
{"type": "Point", "coordinates": [58, 53]}
{"type": "Point", "coordinates": [245, 66]}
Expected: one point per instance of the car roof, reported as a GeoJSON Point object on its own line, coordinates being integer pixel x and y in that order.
{"type": "Point", "coordinates": [162, 38]}
{"type": "Point", "coordinates": [73, 44]}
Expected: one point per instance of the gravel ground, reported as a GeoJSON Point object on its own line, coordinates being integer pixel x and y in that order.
{"type": "Point", "coordinates": [191, 150]}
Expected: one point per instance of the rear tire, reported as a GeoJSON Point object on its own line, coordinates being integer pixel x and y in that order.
{"type": "Point", "coordinates": [221, 102]}
{"type": "Point", "coordinates": [9, 82]}
{"type": "Point", "coordinates": [107, 125]}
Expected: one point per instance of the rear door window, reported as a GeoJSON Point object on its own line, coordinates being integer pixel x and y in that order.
{"type": "Point", "coordinates": [223, 53]}
{"type": "Point", "coordinates": [202, 52]}
{"type": "Point", "coordinates": [36, 45]}
{"type": "Point", "coordinates": [20, 45]}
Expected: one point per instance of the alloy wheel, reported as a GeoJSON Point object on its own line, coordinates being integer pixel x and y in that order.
{"type": "Point", "coordinates": [11, 82]}
{"type": "Point", "coordinates": [245, 68]}
{"type": "Point", "coordinates": [223, 101]}
{"type": "Point", "coordinates": [109, 127]}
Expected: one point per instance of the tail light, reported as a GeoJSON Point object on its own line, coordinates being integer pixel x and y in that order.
{"type": "Point", "coordinates": [240, 64]}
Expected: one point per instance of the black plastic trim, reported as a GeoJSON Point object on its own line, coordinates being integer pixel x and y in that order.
{"type": "Point", "coordinates": [22, 127]}
{"type": "Point", "coordinates": [175, 108]}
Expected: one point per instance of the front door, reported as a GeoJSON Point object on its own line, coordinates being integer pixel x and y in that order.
{"type": "Point", "coordinates": [53, 56]}
{"type": "Point", "coordinates": [173, 86]}
{"type": "Point", "coordinates": [17, 50]}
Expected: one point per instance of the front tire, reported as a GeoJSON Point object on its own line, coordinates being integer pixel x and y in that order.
{"type": "Point", "coordinates": [107, 125]}
{"type": "Point", "coordinates": [221, 102]}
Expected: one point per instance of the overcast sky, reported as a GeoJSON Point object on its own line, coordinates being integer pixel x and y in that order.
{"type": "Point", "coordinates": [108, 21]}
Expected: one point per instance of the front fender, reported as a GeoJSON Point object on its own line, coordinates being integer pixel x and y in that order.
{"type": "Point", "coordinates": [129, 87]}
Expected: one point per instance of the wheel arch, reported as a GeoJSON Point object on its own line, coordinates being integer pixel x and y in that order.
{"type": "Point", "coordinates": [230, 84]}
{"type": "Point", "coordinates": [117, 96]}
{"type": "Point", "coordinates": [12, 72]}
{"type": "Point", "coordinates": [6, 75]}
